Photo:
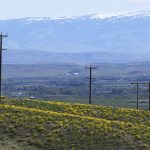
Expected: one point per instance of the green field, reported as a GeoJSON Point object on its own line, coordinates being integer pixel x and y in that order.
{"type": "Point", "coordinates": [39, 125]}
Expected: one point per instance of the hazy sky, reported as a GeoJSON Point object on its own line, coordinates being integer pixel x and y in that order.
{"type": "Point", "coordinates": [58, 8]}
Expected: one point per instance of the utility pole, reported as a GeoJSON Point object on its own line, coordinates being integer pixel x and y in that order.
{"type": "Point", "coordinates": [1, 49]}
{"type": "Point", "coordinates": [149, 95]}
{"type": "Point", "coordinates": [90, 82]}
{"type": "Point", "coordinates": [137, 93]}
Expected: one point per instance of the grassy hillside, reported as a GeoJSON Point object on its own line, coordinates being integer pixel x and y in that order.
{"type": "Point", "coordinates": [29, 124]}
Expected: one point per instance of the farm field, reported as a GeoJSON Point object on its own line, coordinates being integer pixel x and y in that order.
{"type": "Point", "coordinates": [33, 124]}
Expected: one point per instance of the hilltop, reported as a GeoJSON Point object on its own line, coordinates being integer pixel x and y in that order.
{"type": "Point", "coordinates": [32, 124]}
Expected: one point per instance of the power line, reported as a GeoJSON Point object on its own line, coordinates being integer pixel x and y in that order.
{"type": "Point", "coordinates": [90, 82]}
{"type": "Point", "coordinates": [137, 93]}
{"type": "Point", "coordinates": [1, 49]}
{"type": "Point", "coordinates": [148, 83]}
{"type": "Point", "coordinates": [137, 84]}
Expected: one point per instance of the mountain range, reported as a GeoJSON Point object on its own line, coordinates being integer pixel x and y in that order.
{"type": "Point", "coordinates": [84, 39]}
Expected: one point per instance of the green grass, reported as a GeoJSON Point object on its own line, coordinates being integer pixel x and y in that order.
{"type": "Point", "coordinates": [56, 126]}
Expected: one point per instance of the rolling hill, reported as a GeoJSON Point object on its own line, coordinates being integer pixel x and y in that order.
{"type": "Point", "coordinates": [32, 124]}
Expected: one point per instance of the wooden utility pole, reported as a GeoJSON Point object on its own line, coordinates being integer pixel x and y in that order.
{"type": "Point", "coordinates": [149, 95]}
{"type": "Point", "coordinates": [1, 49]}
{"type": "Point", "coordinates": [90, 82]}
{"type": "Point", "coordinates": [137, 88]}
{"type": "Point", "coordinates": [137, 93]}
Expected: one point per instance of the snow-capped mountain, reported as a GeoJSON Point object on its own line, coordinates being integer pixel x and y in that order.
{"type": "Point", "coordinates": [118, 33]}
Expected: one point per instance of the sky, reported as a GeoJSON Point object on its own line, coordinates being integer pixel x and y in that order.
{"type": "Point", "coordinates": [60, 8]}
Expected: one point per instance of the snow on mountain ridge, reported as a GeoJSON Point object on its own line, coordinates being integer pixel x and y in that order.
{"type": "Point", "coordinates": [116, 15]}
{"type": "Point", "coordinates": [93, 16]}
{"type": "Point", "coordinates": [120, 15]}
